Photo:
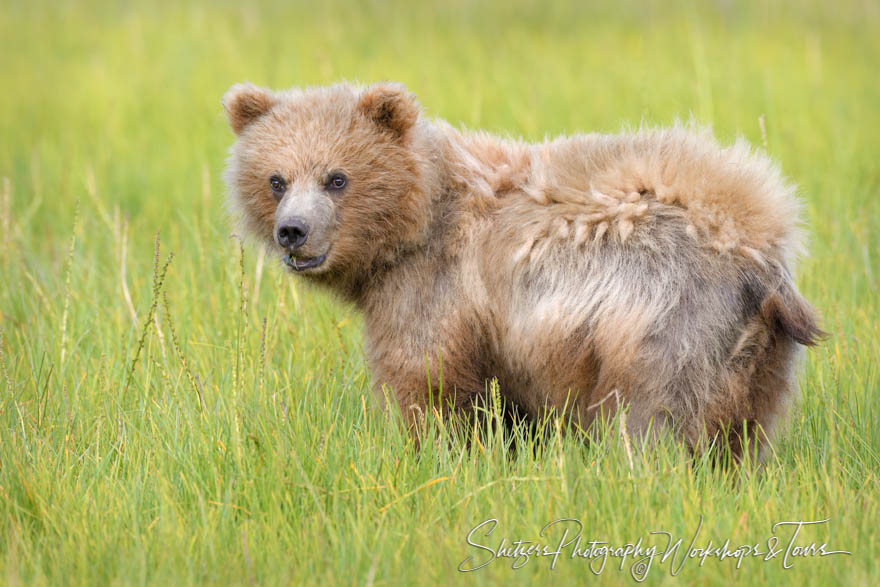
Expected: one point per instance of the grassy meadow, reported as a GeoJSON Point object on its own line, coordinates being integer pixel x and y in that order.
{"type": "Point", "coordinates": [176, 409]}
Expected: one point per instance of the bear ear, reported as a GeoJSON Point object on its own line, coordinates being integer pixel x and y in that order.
{"type": "Point", "coordinates": [391, 107]}
{"type": "Point", "coordinates": [244, 103]}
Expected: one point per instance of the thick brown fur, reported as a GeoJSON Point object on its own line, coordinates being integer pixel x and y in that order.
{"type": "Point", "coordinates": [650, 269]}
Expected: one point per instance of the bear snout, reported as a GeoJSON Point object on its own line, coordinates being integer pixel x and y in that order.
{"type": "Point", "coordinates": [292, 233]}
{"type": "Point", "coordinates": [304, 223]}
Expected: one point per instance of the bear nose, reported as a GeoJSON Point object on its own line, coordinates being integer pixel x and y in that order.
{"type": "Point", "coordinates": [292, 233]}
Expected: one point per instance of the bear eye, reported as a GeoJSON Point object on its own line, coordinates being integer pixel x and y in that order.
{"type": "Point", "coordinates": [336, 181]}
{"type": "Point", "coordinates": [278, 185]}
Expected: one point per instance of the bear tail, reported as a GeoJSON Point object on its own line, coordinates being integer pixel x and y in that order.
{"type": "Point", "coordinates": [787, 311]}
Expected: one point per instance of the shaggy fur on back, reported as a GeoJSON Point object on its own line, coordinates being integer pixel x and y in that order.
{"type": "Point", "coordinates": [650, 270]}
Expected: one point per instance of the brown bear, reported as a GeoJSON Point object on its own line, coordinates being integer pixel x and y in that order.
{"type": "Point", "coordinates": [650, 270]}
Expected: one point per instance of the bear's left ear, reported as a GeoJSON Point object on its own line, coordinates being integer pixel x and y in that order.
{"type": "Point", "coordinates": [244, 103]}
{"type": "Point", "coordinates": [391, 107]}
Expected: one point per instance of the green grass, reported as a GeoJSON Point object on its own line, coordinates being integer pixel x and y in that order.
{"type": "Point", "coordinates": [234, 438]}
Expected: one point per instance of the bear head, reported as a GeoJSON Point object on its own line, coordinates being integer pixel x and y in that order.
{"type": "Point", "coordinates": [332, 179]}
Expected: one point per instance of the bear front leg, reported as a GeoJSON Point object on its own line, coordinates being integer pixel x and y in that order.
{"type": "Point", "coordinates": [440, 383]}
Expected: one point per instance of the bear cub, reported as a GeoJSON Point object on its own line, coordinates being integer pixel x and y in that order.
{"type": "Point", "coordinates": [651, 270]}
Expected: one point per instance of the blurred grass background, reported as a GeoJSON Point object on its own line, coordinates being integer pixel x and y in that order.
{"type": "Point", "coordinates": [244, 444]}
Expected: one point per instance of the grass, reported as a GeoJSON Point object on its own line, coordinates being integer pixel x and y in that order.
{"type": "Point", "coordinates": [207, 419]}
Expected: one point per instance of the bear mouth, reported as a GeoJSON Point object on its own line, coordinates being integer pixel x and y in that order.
{"type": "Point", "coordinates": [300, 264]}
